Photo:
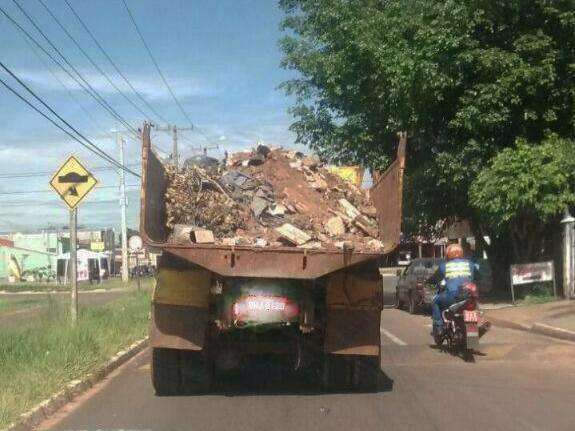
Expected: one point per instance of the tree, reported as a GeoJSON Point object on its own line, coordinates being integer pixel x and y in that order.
{"type": "Point", "coordinates": [524, 189]}
{"type": "Point", "coordinates": [465, 78]}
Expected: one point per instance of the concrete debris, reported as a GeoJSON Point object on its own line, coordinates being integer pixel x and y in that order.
{"type": "Point", "coordinates": [264, 150]}
{"type": "Point", "coordinates": [202, 236]}
{"type": "Point", "coordinates": [277, 209]}
{"type": "Point", "coordinates": [293, 234]}
{"type": "Point", "coordinates": [296, 165]}
{"type": "Point", "coordinates": [335, 226]}
{"type": "Point", "coordinates": [181, 233]}
{"type": "Point", "coordinates": [268, 197]}
{"type": "Point", "coordinates": [375, 245]}
{"type": "Point", "coordinates": [260, 242]}
{"type": "Point", "coordinates": [311, 162]}
{"type": "Point", "coordinates": [312, 245]}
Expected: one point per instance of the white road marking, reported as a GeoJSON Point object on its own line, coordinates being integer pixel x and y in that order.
{"type": "Point", "coordinates": [392, 337]}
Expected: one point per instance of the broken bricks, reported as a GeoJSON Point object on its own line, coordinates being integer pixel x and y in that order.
{"type": "Point", "coordinates": [292, 234]}
{"type": "Point", "coordinates": [335, 226]}
{"type": "Point", "coordinates": [269, 197]}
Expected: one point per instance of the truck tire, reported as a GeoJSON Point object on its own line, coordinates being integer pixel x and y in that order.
{"type": "Point", "coordinates": [196, 372]}
{"type": "Point", "coordinates": [335, 372]}
{"type": "Point", "coordinates": [412, 305]}
{"type": "Point", "coordinates": [166, 376]}
{"type": "Point", "coordinates": [398, 302]}
{"type": "Point", "coordinates": [365, 373]}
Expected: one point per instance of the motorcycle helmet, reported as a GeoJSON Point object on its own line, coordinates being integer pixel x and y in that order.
{"type": "Point", "coordinates": [454, 251]}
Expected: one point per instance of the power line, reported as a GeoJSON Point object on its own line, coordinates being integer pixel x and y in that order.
{"type": "Point", "coordinates": [94, 147]}
{"type": "Point", "coordinates": [85, 84]}
{"type": "Point", "coordinates": [57, 78]}
{"type": "Point", "coordinates": [90, 145]}
{"type": "Point", "coordinates": [116, 68]}
{"type": "Point", "coordinates": [83, 51]}
{"type": "Point", "coordinates": [49, 55]}
{"type": "Point", "coordinates": [25, 192]}
{"type": "Point", "coordinates": [44, 173]}
{"type": "Point", "coordinates": [156, 64]}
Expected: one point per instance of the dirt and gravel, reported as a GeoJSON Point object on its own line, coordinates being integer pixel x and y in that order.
{"type": "Point", "coordinates": [269, 197]}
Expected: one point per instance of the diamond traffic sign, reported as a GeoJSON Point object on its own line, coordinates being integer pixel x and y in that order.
{"type": "Point", "coordinates": [73, 182]}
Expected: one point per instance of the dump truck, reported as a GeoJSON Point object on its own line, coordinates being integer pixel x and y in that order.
{"type": "Point", "coordinates": [213, 305]}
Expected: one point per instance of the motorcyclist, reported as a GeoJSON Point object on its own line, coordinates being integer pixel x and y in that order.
{"type": "Point", "coordinates": [456, 272]}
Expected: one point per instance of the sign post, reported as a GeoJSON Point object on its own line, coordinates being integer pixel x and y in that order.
{"type": "Point", "coordinates": [73, 182]}
{"type": "Point", "coordinates": [136, 244]}
{"type": "Point", "coordinates": [532, 273]}
{"type": "Point", "coordinates": [73, 265]}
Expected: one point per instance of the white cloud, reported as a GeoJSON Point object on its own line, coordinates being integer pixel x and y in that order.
{"type": "Point", "coordinates": [149, 87]}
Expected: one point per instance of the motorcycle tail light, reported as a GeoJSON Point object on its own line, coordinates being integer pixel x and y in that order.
{"type": "Point", "coordinates": [472, 289]}
{"type": "Point", "coordinates": [471, 305]}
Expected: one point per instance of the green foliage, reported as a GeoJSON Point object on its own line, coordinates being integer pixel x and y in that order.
{"type": "Point", "coordinates": [527, 182]}
{"type": "Point", "coordinates": [465, 78]}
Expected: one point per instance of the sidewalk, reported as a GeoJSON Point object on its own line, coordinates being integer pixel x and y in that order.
{"type": "Point", "coordinates": [555, 319]}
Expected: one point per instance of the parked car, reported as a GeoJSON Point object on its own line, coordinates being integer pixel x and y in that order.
{"type": "Point", "coordinates": [404, 258]}
{"type": "Point", "coordinates": [412, 291]}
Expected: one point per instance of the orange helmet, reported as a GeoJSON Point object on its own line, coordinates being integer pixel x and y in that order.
{"type": "Point", "coordinates": [454, 251]}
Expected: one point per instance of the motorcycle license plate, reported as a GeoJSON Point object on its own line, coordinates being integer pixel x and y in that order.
{"type": "Point", "coordinates": [470, 316]}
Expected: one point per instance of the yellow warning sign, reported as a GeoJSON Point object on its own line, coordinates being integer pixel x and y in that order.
{"type": "Point", "coordinates": [73, 182]}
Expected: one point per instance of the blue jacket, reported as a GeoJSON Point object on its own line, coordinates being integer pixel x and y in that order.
{"type": "Point", "coordinates": [456, 273]}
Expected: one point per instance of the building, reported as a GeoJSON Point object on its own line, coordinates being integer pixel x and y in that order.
{"type": "Point", "coordinates": [18, 262]}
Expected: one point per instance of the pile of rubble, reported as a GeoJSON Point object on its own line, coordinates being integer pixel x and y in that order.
{"type": "Point", "coordinates": [268, 197]}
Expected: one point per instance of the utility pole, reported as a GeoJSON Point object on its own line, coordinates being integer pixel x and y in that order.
{"type": "Point", "coordinates": [174, 130]}
{"type": "Point", "coordinates": [568, 259]}
{"type": "Point", "coordinates": [124, 229]}
{"type": "Point", "coordinates": [175, 154]}
{"type": "Point", "coordinates": [73, 266]}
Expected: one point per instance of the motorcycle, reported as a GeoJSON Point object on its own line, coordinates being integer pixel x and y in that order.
{"type": "Point", "coordinates": [462, 326]}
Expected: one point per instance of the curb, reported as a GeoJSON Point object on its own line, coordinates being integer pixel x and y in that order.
{"type": "Point", "coordinates": [536, 328]}
{"type": "Point", "coordinates": [48, 407]}
{"type": "Point", "coordinates": [552, 331]}
{"type": "Point", "coordinates": [508, 324]}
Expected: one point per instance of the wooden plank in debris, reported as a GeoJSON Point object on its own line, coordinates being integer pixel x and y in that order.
{"type": "Point", "coordinates": [182, 233]}
{"type": "Point", "coordinates": [202, 236]}
{"type": "Point", "coordinates": [293, 234]}
{"type": "Point", "coordinates": [359, 220]}
{"type": "Point", "coordinates": [364, 224]}
{"type": "Point", "coordinates": [349, 209]}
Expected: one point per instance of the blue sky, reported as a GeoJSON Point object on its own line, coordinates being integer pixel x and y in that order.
{"type": "Point", "coordinates": [220, 57]}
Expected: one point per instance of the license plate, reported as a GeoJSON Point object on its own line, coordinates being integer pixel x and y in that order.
{"type": "Point", "coordinates": [470, 316]}
{"type": "Point", "coordinates": [265, 305]}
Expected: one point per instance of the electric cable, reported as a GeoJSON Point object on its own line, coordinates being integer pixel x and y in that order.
{"type": "Point", "coordinates": [132, 19]}
{"type": "Point", "coordinates": [113, 63]}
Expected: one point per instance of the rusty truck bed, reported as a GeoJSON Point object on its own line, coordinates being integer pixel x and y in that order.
{"type": "Point", "coordinates": [269, 262]}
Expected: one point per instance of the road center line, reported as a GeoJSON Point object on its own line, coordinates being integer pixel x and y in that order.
{"type": "Point", "coordinates": [392, 337]}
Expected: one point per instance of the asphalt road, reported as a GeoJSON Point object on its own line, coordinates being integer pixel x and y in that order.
{"type": "Point", "coordinates": [521, 382]}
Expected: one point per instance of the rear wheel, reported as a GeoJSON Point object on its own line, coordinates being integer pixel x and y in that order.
{"type": "Point", "coordinates": [196, 372]}
{"type": "Point", "coordinates": [412, 304]}
{"type": "Point", "coordinates": [358, 373]}
{"type": "Point", "coordinates": [166, 377]}
{"type": "Point", "coordinates": [365, 373]}
{"type": "Point", "coordinates": [398, 302]}
{"type": "Point", "coordinates": [176, 372]}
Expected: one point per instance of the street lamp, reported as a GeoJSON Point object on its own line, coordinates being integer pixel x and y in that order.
{"type": "Point", "coordinates": [568, 271]}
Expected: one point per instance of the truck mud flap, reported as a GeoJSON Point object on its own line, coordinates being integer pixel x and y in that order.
{"type": "Point", "coordinates": [353, 332]}
{"type": "Point", "coordinates": [180, 309]}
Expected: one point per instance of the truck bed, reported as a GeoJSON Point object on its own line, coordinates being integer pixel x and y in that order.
{"type": "Point", "coordinates": [269, 262]}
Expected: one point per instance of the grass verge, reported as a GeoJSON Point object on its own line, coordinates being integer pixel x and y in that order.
{"type": "Point", "coordinates": [14, 304]}
{"type": "Point", "coordinates": [113, 283]}
{"type": "Point", "coordinates": [42, 359]}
